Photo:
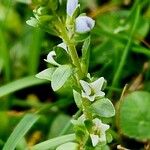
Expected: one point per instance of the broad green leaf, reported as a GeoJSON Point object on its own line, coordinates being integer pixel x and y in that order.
{"type": "Point", "coordinates": [77, 98]}
{"type": "Point", "coordinates": [60, 76]}
{"type": "Point", "coordinates": [64, 119]}
{"type": "Point", "coordinates": [21, 129]}
{"type": "Point", "coordinates": [103, 108]}
{"type": "Point", "coordinates": [46, 74]}
{"type": "Point", "coordinates": [55, 142]}
{"type": "Point", "coordinates": [134, 117]}
{"type": "Point", "coordinates": [68, 146]}
{"type": "Point", "coordinates": [19, 84]}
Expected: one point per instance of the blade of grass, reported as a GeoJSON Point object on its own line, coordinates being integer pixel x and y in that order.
{"type": "Point", "coordinates": [34, 53]}
{"type": "Point", "coordinates": [3, 46]}
{"type": "Point", "coordinates": [55, 142]}
{"type": "Point", "coordinates": [19, 84]}
{"type": "Point", "coordinates": [118, 72]}
{"type": "Point", "coordinates": [21, 129]}
{"type": "Point", "coordinates": [124, 39]}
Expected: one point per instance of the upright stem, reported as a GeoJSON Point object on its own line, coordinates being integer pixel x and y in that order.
{"type": "Point", "coordinates": [72, 50]}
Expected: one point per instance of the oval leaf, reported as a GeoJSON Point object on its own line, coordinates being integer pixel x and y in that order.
{"type": "Point", "coordinates": [68, 146]}
{"type": "Point", "coordinates": [135, 115]}
{"type": "Point", "coordinates": [46, 74]}
{"type": "Point", "coordinates": [103, 108]}
{"type": "Point", "coordinates": [60, 76]}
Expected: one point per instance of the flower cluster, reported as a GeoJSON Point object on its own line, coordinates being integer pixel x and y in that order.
{"type": "Point", "coordinates": [88, 93]}
{"type": "Point", "coordinates": [97, 131]}
{"type": "Point", "coordinates": [92, 90]}
{"type": "Point", "coordinates": [82, 23]}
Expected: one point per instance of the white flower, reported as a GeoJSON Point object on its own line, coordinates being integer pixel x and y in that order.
{"type": "Point", "coordinates": [92, 90]}
{"type": "Point", "coordinates": [99, 129]}
{"type": "Point", "coordinates": [84, 24]}
{"type": "Point", "coordinates": [50, 58]}
{"type": "Point", "coordinates": [63, 46]}
{"type": "Point", "coordinates": [71, 6]}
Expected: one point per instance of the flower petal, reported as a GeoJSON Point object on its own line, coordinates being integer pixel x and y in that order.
{"type": "Point", "coordinates": [100, 94]}
{"type": "Point", "coordinates": [63, 46]}
{"type": "Point", "coordinates": [71, 6]}
{"type": "Point", "coordinates": [50, 58]}
{"type": "Point", "coordinates": [84, 24]}
{"type": "Point", "coordinates": [104, 127]}
{"type": "Point", "coordinates": [86, 87]}
{"type": "Point", "coordinates": [94, 139]}
{"type": "Point", "coordinates": [90, 98]}
{"type": "Point", "coordinates": [102, 137]}
{"type": "Point", "coordinates": [98, 84]}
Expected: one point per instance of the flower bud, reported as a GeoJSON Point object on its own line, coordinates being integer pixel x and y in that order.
{"type": "Point", "coordinates": [84, 24]}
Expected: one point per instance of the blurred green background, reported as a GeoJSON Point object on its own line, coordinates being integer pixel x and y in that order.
{"type": "Point", "coordinates": [120, 51]}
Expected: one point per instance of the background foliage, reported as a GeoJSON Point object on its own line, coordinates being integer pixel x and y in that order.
{"type": "Point", "coordinates": [120, 52]}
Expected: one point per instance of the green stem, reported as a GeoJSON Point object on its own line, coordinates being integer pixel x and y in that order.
{"type": "Point", "coordinates": [72, 50]}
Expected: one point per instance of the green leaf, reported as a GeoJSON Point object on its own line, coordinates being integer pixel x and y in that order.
{"type": "Point", "coordinates": [46, 74]}
{"type": "Point", "coordinates": [55, 142]}
{"type": "Point", "coordinates": [81, 37]}
{"type": "Point", "coordinates": [60, 76]}
{"type": "Point", "coordinates": [77, 98]}
{"type": "Point", "coordinates": [103, 108]}
{"type": "Point", "coordinates": [21, 129]}
{"type": "Point", "coordinates": [135, 115]}
{"type": "Point", "coordinates": [62, 57]}
{"type": "Point", "coordinates": [15, 85]}
{"type": "Point", "coordinates": [64, 119]}
{"type": "Point", "coordinates": [85, 54]}
{"type": "Point", "coordinates": [68, 146]}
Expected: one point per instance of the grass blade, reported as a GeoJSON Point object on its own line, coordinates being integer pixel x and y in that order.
{"type": "Point", "coordinates": [34, 54]}
{"type": "Point", "coordinates": [21, 129]}
{"type": "Point", "coordinates": [53, 143]}
{"type": "Point", "coordinates": [19, 84]}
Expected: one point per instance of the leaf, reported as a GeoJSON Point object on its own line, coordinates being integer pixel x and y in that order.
{"type": "Point", "coordinates": [77, 98]}
{"type": "Point", "coordinates": [60, 76]}
{"type": "Point", "coordinates": [21, 129]}
{"type": "Point", "coordinates": [64, 119]}
{"type": "Point", "coordinates": [24, 1]}
{"type": "Point", "coordinates": [62, 57]}
{"type": "Point", "coordinates": [134, 115]}
{"type": "Point", "coordinates": [103, 108]}
{"type": "Point", "coordinates": [85, 54]}
{"type": "Point", "coordinates": [55, 142]}
{"type": "Point", "coordinates": [46, 74]}
{"type": "Point", "coordinates": [68, 146]}
{"type": "Point", "coordinates": [15, 85]}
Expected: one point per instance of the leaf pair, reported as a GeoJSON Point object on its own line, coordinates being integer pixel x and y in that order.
{"type": "Point", "coordinates": [57, 76]}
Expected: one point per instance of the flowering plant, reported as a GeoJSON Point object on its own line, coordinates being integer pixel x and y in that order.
{"type": "Point", "coordinates": [74, 28]}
